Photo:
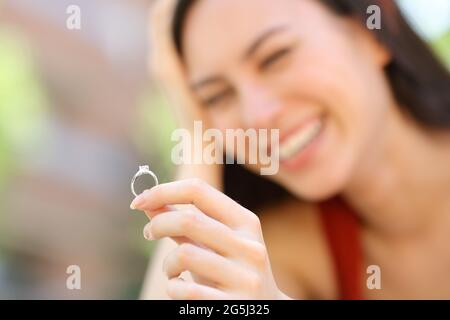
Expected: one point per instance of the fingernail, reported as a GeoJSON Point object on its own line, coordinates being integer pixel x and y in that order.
{"type": "Point", "coordinates": [136, 202]}
{"type": "Point", "coordinates": [139, 200]}
{"type": "Point", "coordinates": [147, 234]}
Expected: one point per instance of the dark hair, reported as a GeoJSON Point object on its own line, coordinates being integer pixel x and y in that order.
{"type": "Point", "coordinates": [419, 81]}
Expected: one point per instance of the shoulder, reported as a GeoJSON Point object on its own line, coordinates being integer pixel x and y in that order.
{"type": "Point", "coordinates": [297, 247]}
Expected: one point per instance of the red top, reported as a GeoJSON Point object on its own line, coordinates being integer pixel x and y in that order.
{"type": "Point", "coordinates": [341, 228]}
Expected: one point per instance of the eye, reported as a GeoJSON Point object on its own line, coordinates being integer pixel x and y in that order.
{"type": "Point", "coordinates": [218, 97]}
{"type": "Point", "coordinates": [275, 57]}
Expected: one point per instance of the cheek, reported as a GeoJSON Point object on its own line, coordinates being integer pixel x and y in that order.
{"type": "Point", "coordinates": [352, 119]}
{"type": "Point", "coordinates": [363, 113]}
{"type": "Point", "coordinates": [347, 92]}
{"type": "Point", "coordinates": [223, 118]}
{"type": "Point", "coordinates": [216, 120]}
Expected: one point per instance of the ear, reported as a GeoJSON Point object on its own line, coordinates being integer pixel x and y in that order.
{"type": "Point", "coordinates": [369, 43]}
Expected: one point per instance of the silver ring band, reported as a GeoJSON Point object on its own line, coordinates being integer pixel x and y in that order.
{"type": "Point", "coordinates": [142, 170]}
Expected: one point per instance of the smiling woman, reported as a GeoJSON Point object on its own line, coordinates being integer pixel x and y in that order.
{"type": "Point", "coordinates": [362, 114]}
{"type": "Point", "coordinates": [418, 81]}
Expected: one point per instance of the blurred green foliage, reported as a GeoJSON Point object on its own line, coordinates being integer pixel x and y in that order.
{"type": "Point", "coordinates": [442, 48]}
{"type": "Point", "coordinates": [22, 101]}
{"type": "Point", "coordinates": [153, 133]}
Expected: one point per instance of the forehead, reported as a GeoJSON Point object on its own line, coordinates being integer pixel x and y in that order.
{"type": "Point", "coordinates": [218, 31]}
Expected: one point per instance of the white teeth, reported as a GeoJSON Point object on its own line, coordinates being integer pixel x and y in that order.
{"type": "Point", "coordinates": [300, 139]}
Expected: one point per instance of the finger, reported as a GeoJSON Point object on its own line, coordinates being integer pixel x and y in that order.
{"type": "Point", "coordinates": [160, 14]}
{"type": "Point", "coordinates": [163, 58]}
{"type": "Point", "coordinates": [151, 214]}
{"type": "Point", "coordinates": [192, 226]}
{"type": "Point", "coordinates": [178, 239]}
{"type": "Point", "coordinates": [196, 226]}
{"type": "Point", "coordinates": [206, 264]}
{"type": "Point", "coordinates": [185, 290]}
{"type": "Point", "coordinates": [166, 208]}
{"type": "Point", "coordinates": [160, 18]}
{"type": "Point", "coordinates": [194, 191]}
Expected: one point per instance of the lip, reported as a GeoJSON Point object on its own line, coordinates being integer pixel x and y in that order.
{"type": "Point", "coordinates": [303, 156]}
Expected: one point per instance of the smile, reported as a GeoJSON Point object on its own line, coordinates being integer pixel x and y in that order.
{"type": "Point", "coordinates": [297, 141]}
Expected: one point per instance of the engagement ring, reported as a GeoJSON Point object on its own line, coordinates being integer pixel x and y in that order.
{"type": "Point", "coordinates": [142, 170]}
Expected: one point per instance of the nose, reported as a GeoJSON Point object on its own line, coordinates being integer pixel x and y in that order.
{"type": "Point", "coordinates": [259, 107]}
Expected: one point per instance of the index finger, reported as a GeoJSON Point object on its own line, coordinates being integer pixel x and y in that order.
{"type": "Point", "coordinates": [197, 192]}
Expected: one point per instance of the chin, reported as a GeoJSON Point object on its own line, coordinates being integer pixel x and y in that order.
{"type": "Point", "coordinates": [316, 187]}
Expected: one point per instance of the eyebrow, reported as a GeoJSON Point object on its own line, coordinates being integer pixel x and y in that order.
{"type": "Point", "coordinates": [256, 44]}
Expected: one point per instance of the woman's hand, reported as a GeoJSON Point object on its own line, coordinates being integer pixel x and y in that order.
{"type": "Point", "coordinates": [221, 242]}
{"type": "Point", "coordinates": [166, 66]}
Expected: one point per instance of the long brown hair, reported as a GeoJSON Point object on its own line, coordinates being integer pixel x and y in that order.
{"type": "Point", "coordinates": [419, 81]}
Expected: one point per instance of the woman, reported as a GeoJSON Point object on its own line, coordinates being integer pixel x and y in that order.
{"type": "Point", "coordinates": [367, 190]}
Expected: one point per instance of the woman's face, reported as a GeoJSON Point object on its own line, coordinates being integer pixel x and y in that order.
{"type": "Point", "coordinates": [295, 66]}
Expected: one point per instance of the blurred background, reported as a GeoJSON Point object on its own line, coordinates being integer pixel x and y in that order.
{"type": "Point", "coordinates": [78, 115]}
